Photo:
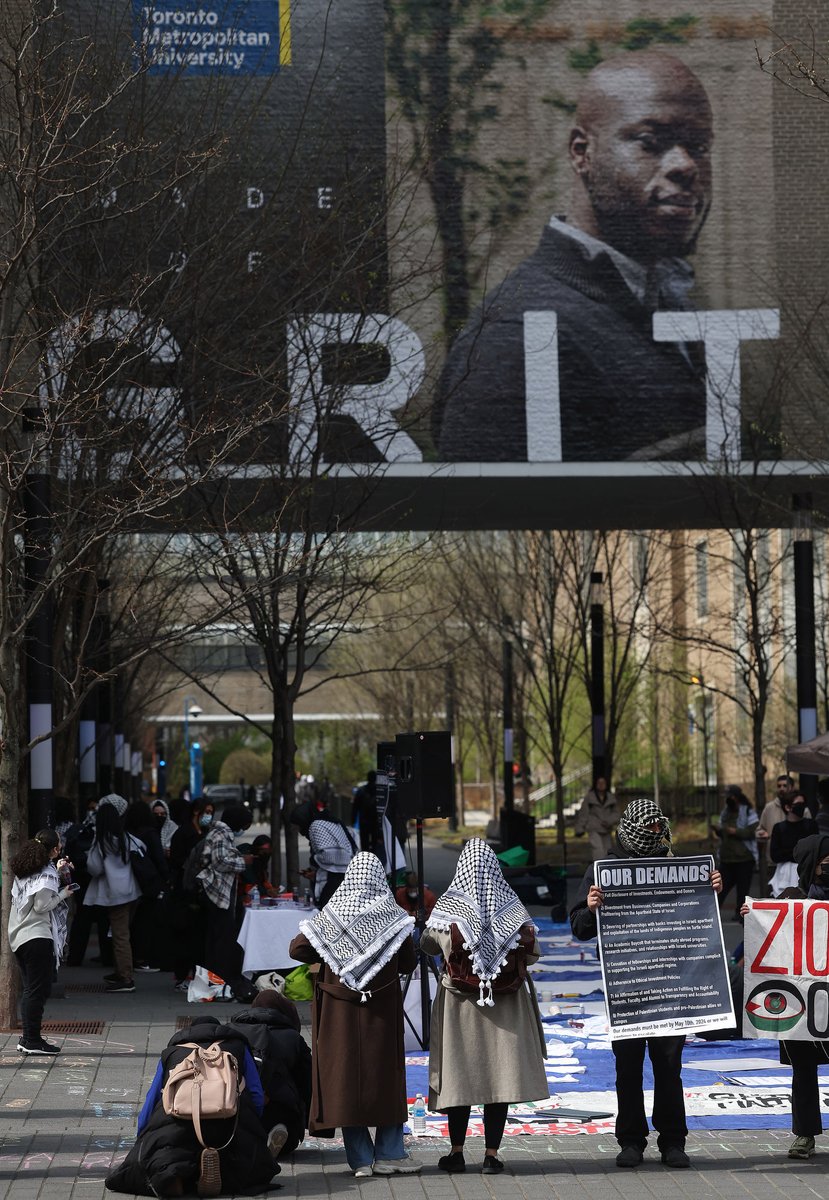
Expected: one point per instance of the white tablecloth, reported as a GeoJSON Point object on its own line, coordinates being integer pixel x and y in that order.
{"type": "Point", "coordinates": [267, 933]}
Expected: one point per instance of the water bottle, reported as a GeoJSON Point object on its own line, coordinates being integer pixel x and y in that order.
{"type": "Point", "coordinates": [254, 897]}
{"type": "Point", "coordinates": [419, 1115]}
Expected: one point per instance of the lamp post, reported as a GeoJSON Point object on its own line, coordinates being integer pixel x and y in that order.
{"type": "Point", "coordinates": [597, 674]}
{"type": "Point", "coordinates": [194, 710]}
{"type": "Point", "coordinates": [804, 624]}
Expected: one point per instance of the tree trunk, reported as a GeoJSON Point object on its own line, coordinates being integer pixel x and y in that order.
{"type": "Point", "coordinates": [558, 775]}
{"type": "Point", "coordinates": [13, 822]}
{"type": "Point", "coordinates": [276, 809]}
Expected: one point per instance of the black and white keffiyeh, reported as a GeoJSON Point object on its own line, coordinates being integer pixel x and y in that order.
{"type": "Point", "coordinates": [361, 927]}
{"type": "Point", "coordinates": [634, 836]}
{"type": "Point", "coordinates": [331, 846]}
{"type": "Point", "coordinates": [485, 909]}
{"type": "Point", "coordinates": [45, 880]}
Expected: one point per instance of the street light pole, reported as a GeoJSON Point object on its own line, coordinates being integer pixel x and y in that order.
{"type": "Point", "coordinates": [804, 625]}
{"type": "Point", "coordinates": [597, 674]}
{"type": "Point", "coordinates": [191, 709]}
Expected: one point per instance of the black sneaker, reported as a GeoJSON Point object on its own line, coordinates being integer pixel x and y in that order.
{"type": "Point", "coordinates": [37, 1046]}
{"type": "Point", "coordinates": [121, 985]}
{"type": "Point", "coordinates": [675, 1156]}
{"type": "Point", "coordinates": [492, 1165]}
{"type": "Point", "coordinates": [629, 1156]}
{"type": "Point", "coordinates": [112, 978]}
{"type": "Point", "coordinates": [454, 1163]}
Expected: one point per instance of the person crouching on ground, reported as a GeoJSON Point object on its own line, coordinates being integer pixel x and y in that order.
{"type": "Point", "coordinates": [644, 832]}
{"type": "Point", "coordinates": [168, 1159]}
{"type": "Point", "coordinates": [487, 1042]}
{"type": "Point", "coordinates": [283, 1057]}
{"type": "Point", "coordinates": [363, 940]}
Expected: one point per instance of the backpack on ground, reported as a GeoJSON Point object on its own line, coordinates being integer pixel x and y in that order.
{"type": "Point", "coordinates": [511, 977]}
{"type": "Point", "coordinates": [205, 1085]}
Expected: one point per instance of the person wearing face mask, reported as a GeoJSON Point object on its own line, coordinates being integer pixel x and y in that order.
{"type": "Point", "coordinates": [811, 858]}
{"type": "Point", "coordinates": [165, 825]}
{"type": "Point", "coordinates": [784, 837]}
{"type": "Point", "coordinates": [37, 932]}
{"type": "Point", "coordinates": [406, 897]}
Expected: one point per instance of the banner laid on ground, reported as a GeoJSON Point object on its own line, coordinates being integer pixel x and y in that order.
{"type": "Point", "coordinates": [661, 946]}
{"type": "Point", "coordinates": [787, 970]}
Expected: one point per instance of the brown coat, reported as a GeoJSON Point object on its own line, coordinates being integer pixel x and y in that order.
{"type": "Point", "coordinates": [359, 1069]}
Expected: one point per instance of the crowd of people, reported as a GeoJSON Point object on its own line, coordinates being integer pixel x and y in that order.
{"type": "Point", "coordinates": [487, 1041]}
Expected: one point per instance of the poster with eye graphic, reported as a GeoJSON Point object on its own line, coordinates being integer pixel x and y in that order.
{"type": "Point", "coordinates": [787, 970]}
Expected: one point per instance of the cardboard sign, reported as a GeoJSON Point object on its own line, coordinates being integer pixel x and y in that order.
{"type": "Point", "coordinates": [661, 946]}
{"type": "Point", "coordinates": [787, 970]}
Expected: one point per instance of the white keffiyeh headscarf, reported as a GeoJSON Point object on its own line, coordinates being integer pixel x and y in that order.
{"type": "Point", "coordinates": [485, 909]}
{"type": "Point", "coordinates": [361, 927]}
{"type": "Point", "coordinates": [331, 846]}
{"type": "Point", "coordinates": [45, 880]}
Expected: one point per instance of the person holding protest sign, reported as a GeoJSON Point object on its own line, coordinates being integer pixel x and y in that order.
{"type": "Point", "coordinates": [644, 832]}
{"type": "Point", "coordinates": [803, 1056]}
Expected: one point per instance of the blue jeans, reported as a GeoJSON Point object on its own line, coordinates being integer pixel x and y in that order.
{"type": "Point", "coordinates": [360, 1151]}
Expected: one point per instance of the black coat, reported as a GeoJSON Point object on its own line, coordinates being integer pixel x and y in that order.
{"type": "Point", "coordinates": [284, 1061]}
{"type": "Point", "coordinates": [167, 1147]}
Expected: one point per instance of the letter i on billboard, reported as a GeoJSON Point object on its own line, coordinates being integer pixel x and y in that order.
{"type": "Point", "coordinates": [229, 37]}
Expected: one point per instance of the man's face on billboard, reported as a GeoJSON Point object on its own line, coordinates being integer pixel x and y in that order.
{"type": "Point", "coordinates": [644, 155]}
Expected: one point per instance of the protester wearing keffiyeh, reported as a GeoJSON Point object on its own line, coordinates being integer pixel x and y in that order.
{"type": "Point", "coordinates": [361, 927]}
{"type": "Point", "coordinates": [637, 838]}
{"type": "Point", "coordinates": [485, 909]}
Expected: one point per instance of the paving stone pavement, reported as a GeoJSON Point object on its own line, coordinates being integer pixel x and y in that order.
{"type": "Point", "coordinates": [63, 1121]}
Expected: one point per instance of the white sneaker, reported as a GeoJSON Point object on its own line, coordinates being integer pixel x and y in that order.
{"type": "Point", "coordinates": [363, 1172]}
{"type": "Point", "coordinates": [277, 1138]}
{"type": "Point", "coordinates": [398, 1166]}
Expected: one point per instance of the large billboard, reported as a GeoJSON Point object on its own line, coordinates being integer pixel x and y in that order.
{"type": "Point", "coordinates": [515, 263]}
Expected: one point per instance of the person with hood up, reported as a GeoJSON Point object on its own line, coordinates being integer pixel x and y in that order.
{"type": "Point", "coordinates": [168, 1159]}
{"type": "Point", "coordinates": [363, 940]}
{"type": "Point", "coordinates": [332, 848]}
{"type": "Point", "coordinates": [272, 1027]}
{"type": "Point", "coordinates": [113, 884]}
{"type": "Point", "coordinates": [644, 832]}
{"type": "Point", "coordinates": [219, 879]}
{"type": "Point", "coordinates": [487, 1043]}
{"type": "Point", "coordinates": [164, 823]}
{"type": "Point", "coordinates": [811, 856]}
{"type": "Point", "coordinates": [37, 932]}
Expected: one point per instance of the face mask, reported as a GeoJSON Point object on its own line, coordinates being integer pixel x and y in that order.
{"type": "Point", "coordinates": [798, 809]}
{"type": "Point", "coordinates": [205, 819]}
{"type": "Point", "coordinates": [822, 876]}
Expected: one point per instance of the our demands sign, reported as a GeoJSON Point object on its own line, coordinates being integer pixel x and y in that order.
{"type": "Point", "coordinates": [787, 970]}
{"type": "Point", "coordinates": [661, 947]}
